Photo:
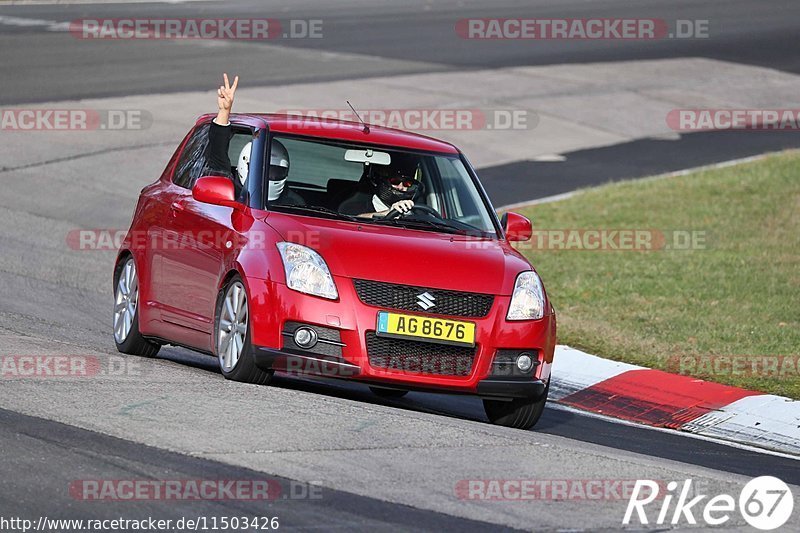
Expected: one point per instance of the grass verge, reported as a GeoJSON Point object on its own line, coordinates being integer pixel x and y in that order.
{"type": "Point", "coordinates": [720, 296]}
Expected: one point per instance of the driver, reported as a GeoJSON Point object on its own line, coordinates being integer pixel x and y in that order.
{"type": "Point", "coordinates": [394, 188]}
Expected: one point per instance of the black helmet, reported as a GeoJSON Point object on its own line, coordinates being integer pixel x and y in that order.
{"type": "Point", "coordinates": [386, 178]}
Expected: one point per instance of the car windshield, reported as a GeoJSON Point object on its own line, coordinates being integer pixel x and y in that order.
{"type": "Point", "coordinates": [361, 183]}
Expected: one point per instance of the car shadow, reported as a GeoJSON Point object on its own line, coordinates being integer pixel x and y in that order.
{"type": "Point", "coordinates": [459, 406]}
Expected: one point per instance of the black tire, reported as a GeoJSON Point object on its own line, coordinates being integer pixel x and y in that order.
{"type": "Point", "coordinates": [245, 369]}
{"type": "Point", "coordinates": [388, 393]}
{"type": "Point", "coordinates": [519, 413]}
{"type": "Point", "coordinates": [134, 343]}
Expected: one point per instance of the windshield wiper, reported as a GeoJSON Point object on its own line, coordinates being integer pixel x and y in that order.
{"type": "Point", "coordinates": [318, 209]}
{"type": "Point", "coordinates": [423, 224]}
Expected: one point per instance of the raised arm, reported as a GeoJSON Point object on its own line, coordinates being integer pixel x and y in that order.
{"type": "Point", "coordinates": [219, 136]}
{"type": "Point", "coordinates": [225, 95]}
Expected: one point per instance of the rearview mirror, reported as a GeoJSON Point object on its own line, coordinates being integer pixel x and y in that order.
{"type": "Point", "coordinates": [368, 156]}
{"type": "Point", "coordinates": [215, 190]}
{"type": "Point", "coordinates": [516, 227]}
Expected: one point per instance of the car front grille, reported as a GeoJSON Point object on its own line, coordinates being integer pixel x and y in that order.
{"type": "Point", "coordinates": [401, 356]}
{"type": "Point", "coordinates": [407, 298]}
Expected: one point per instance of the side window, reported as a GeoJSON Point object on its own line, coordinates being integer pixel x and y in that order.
{"type": "Point", "coordinates": [452, 186]}
{"type": "Point", "coordinates": [313, 163]}
{"type": "Point", "coordinates": [462, 201]}
{"type": "Point", "coordinates": [239, 141]}
{"type": "Point", "coordinates": [173, 160]}
{"type": "Point", "coordinates": [193, 159]}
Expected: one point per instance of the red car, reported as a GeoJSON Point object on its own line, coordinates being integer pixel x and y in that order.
{"type": "Point", "coordinates": [281, 272]}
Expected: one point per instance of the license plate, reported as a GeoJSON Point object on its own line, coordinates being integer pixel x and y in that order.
{"type": "Point", "coordinates": [425, 329]}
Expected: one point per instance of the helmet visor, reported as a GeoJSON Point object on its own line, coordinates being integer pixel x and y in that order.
{"type": "Point", "coordinates": [277, 173]}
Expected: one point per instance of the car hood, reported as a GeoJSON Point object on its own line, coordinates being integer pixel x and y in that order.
{"type": "Point", "coordinates": [405, 256]}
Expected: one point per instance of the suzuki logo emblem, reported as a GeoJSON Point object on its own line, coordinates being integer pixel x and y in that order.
{"type": "Point", "coordinates": [426, 300]}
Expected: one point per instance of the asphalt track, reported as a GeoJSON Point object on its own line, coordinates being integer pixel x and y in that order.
{"type": "Point", "coordinates": [383, 465]}
{"type": "Point", "coordinates": [633, 159]}
{"type": "Point", "coordinates": [411, 36]}
{"type": "Point", "coordinates": [41, 491]}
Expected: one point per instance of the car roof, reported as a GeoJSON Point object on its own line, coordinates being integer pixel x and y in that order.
{"type": "Point", "coordinates": [343, 130]}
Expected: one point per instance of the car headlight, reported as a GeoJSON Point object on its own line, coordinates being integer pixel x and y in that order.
{"type": "Point", "coordinates": [527, 300]}
{"type": "Point", "coordinates": [306, 271]}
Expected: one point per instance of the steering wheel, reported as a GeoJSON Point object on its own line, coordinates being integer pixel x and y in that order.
{"type": "Point", "coordinates": [394, 213]}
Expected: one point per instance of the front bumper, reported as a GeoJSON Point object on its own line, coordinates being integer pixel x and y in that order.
{"type": "Point", "coordinates": [273, 306]}
{"type": "Point", "coordinates": [489, 387]}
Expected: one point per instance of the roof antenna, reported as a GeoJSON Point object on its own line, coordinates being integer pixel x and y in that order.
{"type": "Point", "coordinates": [366, 126]}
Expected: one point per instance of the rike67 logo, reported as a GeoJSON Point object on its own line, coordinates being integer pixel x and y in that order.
{"type": "Point", "coordinates": [766, 503]}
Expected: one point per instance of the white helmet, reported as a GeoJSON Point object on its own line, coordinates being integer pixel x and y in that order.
{"type": "Point", "coordinates": [278, 170]}
{"type": "Point", "coordinates": [243, 163]}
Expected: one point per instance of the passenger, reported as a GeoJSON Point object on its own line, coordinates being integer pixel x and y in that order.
{"type": "Point", "coordinates": [219, 138]}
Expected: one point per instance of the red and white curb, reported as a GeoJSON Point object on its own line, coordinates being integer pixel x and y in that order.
{"type": "Point", "coordinates": [660, 399]}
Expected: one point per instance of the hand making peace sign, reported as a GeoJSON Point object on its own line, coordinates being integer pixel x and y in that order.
{"type": "Point", "coordinates": [225, 95]}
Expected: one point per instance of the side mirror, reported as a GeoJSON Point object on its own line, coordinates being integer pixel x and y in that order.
{"type": "Point", "coordinates": [516, 227]}
{"type": "Point", "coordinates": [215, 190]}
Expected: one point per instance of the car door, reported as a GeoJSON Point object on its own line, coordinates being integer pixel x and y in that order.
{"type": "Point", "coordinates": [197, 239]}
{"type": "Point", "coordinates": [201, 234]}
{"type": "Point", "coordinates": [161, 237]}
{"type": "Point", "coordinates": [172, 252]}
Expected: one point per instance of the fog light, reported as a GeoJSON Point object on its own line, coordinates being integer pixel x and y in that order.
{"type": "Point", "coordinates": [524, 362]}
{"type": "Point", "coordinates": [305, 337]}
